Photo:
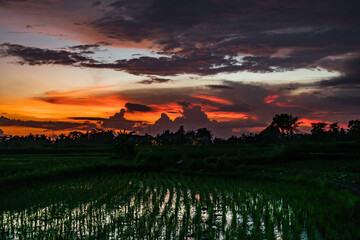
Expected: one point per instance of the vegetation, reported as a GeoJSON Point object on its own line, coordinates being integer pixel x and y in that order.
{"type": "Point", "coordinates": [282, 129]}
{"type": "Point", "coordinates": [155, 206]}
{"type": "Point", "coordinates": [286, 123]}
{"type": "Point", "coordinates": [100, 185]}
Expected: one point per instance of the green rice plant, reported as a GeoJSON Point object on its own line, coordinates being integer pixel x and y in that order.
{"type": "Point", "coordinates": [161, 206]}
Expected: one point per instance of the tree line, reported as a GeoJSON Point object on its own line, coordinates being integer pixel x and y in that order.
{"type": "Point", "coordinates": [282, 128]}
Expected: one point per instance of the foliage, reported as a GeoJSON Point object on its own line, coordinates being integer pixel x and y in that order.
{"type": "Point", "coordinates": [286, 123]}
{"type": "Point", "coordinates": [281, 130]}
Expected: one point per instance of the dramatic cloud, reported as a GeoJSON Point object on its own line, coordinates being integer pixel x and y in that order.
{"type": "Point", "coordinates": [49, 125]}
{"type": "Point", "coordinates": [194, 118]}
{"type": "Point", "coordinates": [200, 63]}
{"type": "Point", "coordinates": [38, 56]}
{"type": "Point", "coordinates": [205, 37]}
{"type": "Point", "coordinates": [212, 99]}
{"type": "Point", "coordinates": [135, 107]}
{"type": "Point", "coordinates": [257, 100]}
{"type": "Point", "coordinates": [240, 105]}
{"type": "Point", "coordinates": [118, 121]}
{"type": "Point", "coordinates": [175, 41]}
{"type": "Point", "coordinates": [82, 97]}
{"type": "Point", "coordinates": [350, 78]}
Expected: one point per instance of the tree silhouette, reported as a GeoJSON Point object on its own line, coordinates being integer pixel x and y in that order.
{"type": "Point", "coordinates": [318, 129]}
{"type": "Point", "coordinates": [354, 126]}
{"type": "Point", "coordinates": [203, 135]}
{"type": "Point", "coordinates": [286, 123]}
{"type": "Point", "coordinates": [334, 128]}
{"type": "Point", "coordinates": [354, 129]}
{"type": "Point", "coordinates": [190, 136]}
{"type": "Point", "coordinates": [269, 134]}
{"type": "Point", "coordinates": [180, 137]}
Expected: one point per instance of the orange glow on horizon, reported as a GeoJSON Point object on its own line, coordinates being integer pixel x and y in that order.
{"type": "Point", "coordinates": [24, 131]}
{"type": "Point", "coordinates": [306, 122]}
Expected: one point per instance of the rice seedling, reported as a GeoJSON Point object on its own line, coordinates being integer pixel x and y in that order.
{"type": "Point", "coordinates": [157, 206]}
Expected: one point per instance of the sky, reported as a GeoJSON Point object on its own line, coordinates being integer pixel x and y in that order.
{"type": "Point", "coordinates": [151, 65]}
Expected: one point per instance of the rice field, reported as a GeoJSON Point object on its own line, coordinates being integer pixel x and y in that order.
{"type": "Point", "coordinates": [152, 206]}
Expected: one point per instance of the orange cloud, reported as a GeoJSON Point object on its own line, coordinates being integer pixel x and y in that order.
{"type": "Point", "coordinates": [307, 122]}
{"type": "Point", "coordinates": [83, 90]}
{"type": "Point", "coordinates": [213, 99]}
{"type": "Point", "coordinates": [226, 116]}
{"type": "Point", "coordinates": [84, 97]}
{"type": "Point", "coordinates": [112, 100]}
{"type": "Point", "coordinates": [270, 98]}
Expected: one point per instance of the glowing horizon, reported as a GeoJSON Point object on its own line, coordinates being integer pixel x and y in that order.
{"type": "Point", "coordinates": [78, 64]}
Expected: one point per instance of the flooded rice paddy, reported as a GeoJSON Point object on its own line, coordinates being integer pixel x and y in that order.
{"type": "Point", "coordinates": [154, 206]}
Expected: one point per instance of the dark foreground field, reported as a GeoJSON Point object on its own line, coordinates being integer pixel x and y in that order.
{"type": "Point", "coordinates": [178, 192]}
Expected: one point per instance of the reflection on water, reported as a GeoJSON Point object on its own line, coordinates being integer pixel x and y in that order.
{"type": "Point", "coordinates": [150, 208]}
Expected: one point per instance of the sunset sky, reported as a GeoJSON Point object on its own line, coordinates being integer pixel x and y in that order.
{"type": "Point", "coordinates": [150, 65]}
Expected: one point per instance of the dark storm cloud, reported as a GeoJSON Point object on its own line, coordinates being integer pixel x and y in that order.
{"type": "Point", "coordinates": [345, 81]}
{"type": "Point", "coordinates": [201, 64]}
{"type": "Point", "coordinates": [207, 37]}
{"type": "Point", "coordinates": [350, 78]}
{"type": "Point", "coordinates": [38, 56]}
{"type": "Point", "coordinates": [135, 107]}
{"type": "Point", "coordinates": [310, 30]}
{"type": "Point", "coordinates": [49, 125]}
{"type": "Point", "coordinates": [163, 66]}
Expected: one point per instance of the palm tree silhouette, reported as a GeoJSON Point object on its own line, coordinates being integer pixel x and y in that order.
{"type": "Point", "coordinates": [286, 123]}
